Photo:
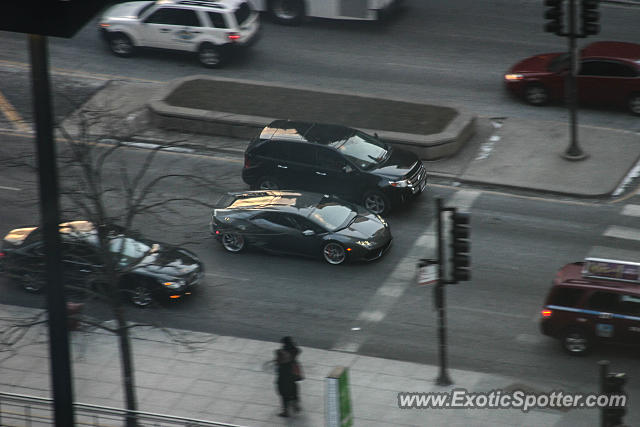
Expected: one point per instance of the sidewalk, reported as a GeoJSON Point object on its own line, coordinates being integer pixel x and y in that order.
{"type": "Point", "coordinates": [227, 379]}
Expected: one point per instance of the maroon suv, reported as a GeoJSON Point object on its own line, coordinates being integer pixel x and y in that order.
{"type": "Point", "coordinates": [591, 302]}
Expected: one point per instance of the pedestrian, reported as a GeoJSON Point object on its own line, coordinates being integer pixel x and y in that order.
{"type": "Point", "coordinates": [286, 382]}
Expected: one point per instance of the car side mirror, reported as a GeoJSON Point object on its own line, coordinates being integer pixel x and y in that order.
{"type": "Point", "coordinates": [308, 232]}
{"type": "Point", "coordinates": [347, 169]}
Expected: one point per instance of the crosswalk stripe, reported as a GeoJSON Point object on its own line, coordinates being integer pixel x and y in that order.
{"type": "Point", "coordinates": [631, 210]}
{"type": "Point", "coordinates": [622, 232]}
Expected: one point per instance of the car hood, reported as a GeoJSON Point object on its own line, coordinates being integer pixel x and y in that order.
{"type": "Point", "coordinates": [534, 64]}
{"type": "Point", "coordinates": [169, 261]}
{"type": "Point", "coordinates": [399, 164]}
{"type": "Point", "coordinates": [128, 10]}
{"type": "Point", "coordinates": [366, 227]}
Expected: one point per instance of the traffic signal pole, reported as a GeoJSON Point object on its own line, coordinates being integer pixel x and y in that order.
{"type": "Point", "coordinates": [573, 152]}
{"type": "Point", "coordinates": [443, 376]}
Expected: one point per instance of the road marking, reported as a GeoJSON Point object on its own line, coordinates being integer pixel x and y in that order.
{"type": "Point", "coordinates": [622, 232]}
{"type": "Point", "coordinates": [12, 115]}
{"type": "Point", "coordinates": [2, 187]}
{"type": "Point", "coordinates": [402, 276]}
{"type": "Point", "coordinates": [631, 210]}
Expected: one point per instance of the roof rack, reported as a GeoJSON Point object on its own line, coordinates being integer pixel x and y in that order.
{"type": "Point", "coordinates": [208, 3]}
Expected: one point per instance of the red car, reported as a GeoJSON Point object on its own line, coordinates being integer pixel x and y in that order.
{"type": "Point", "coordinates": [608, 74]}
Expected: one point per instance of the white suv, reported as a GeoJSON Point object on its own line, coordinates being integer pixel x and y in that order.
{"type": "Point", "coordinates": [212, 29]}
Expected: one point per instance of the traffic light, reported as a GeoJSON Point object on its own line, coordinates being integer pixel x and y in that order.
{"type": "Point", "coordinates": [554, 14]}
{"type": "Point", "coordinates": [589, 17]}
{"type": "Point", "coordinates": [460, 247]}
{"type": "Point", "coordinates": [614, 385]}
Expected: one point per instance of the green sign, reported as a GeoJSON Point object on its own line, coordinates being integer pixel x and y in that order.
{"type": "Point", "coordinates": [339, 399]}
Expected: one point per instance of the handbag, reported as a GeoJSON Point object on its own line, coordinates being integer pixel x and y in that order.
{"type": "Point", "coordinates": [296, 368]}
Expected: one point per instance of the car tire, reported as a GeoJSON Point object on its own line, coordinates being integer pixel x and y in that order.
{"type": "Point", "coordinates": [32, 283]}
{"type": "Point", "coordinates": [121, 45]}
{"type": "Point", "coordinates": [232, 242]}
{"type": "Point", "coordinates": [287, 12]}
{"type": "Point", "coordinates": [211, 56]}
{"type": "Point", "coordinates": [268, 183]}
{"type": "Point", "coordinates": [140, 294]}
{"type": "Point", "coordinates": [576, 342]}
{"type": "Point", "coordinates": [634, 104]}
{"type": "Point", "coordinates": [536, 94]}
{"type": "Point", "coordinates": [376, 202]}
{"type": "Point", "coordinates": [334, 253]}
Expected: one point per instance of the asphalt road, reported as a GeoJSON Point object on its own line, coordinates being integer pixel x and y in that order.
{"type": "Point", "coordinates": [451, 53]}
{"type": "Point", "coordinates": [517, 245]}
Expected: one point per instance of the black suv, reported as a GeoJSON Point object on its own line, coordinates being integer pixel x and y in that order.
{"type": "Point", "coordinates": [333, 159]}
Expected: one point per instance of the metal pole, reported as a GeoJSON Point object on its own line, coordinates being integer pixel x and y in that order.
{"type": "Point", "coordinates": [443, 377]}
{"type": "Point", "coordinates": [574, 152]}
{"type": "Point", "coordinates": [58, 336]}
{"type": "Point", "coordinates": [604, 370]}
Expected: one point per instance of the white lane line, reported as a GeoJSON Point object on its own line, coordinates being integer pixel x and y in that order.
{"type": "Point", "coordinates": [622, 232]}
{"type": "Point", "coordinates": [402, 276]}
{"type": "Point", "coordinates": [2, 187]}
{"type": "Point", "coordinates": [12, 115]}
{"type": "Point", "coordinates": [631, 210]}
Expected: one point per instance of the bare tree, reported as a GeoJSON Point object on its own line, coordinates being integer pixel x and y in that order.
{"type": "Point", "coordinates": [104, 193]}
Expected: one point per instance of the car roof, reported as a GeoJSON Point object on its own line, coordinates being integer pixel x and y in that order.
{"type": "Point", "coordinates": [316, 133]}
{"type": "Point", "coordinates": [613, 49]}
{"type": "Point", "coordinates": [571, 276]}
{"type": "Point", "coordinates": [204, 4]}
{"type": "Point", "coordinates": [269, 200]}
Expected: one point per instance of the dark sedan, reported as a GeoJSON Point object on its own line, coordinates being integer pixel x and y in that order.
{"type": "Point", "coordinates": [298, 223]}
{"type": "Point", "coordinates": [145, 269]}
{"type": "Point", "coordinates": [608, 75]}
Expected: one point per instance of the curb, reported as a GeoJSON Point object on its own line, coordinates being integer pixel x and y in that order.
{"type": "Point", "coordinates": [170, 117]}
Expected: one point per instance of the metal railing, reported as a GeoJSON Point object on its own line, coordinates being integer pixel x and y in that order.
{"type": "Point", "coordinates": [19, 410]}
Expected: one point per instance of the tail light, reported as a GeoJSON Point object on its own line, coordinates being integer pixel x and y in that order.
{"type": "Point", "coordinates": [546, 312]}
{"type": "Point", "coordinates": [2, 254]}
{"type": "Point", "coordinates": [233, 36]}
{"type": "Point", "coordinates": [247, 162]}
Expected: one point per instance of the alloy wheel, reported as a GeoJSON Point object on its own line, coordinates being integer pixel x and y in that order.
{"type": "Point", "coordinates": [334, 253]}
{"type": "Point", "coordinates": [536, 95]}
{"type": "Point", "coordinates": [121, 45]}
{"type": "Point", "coordinates": [634, 104]}
{"type": "Point", "coordinates": [232, 242]}
{"type": "Point", "coordinates": [375, 203]}
{"type": "Point", "coordinates": [31, 283]}
{"type": "Point", "coordinates": [141, 295]}
{"type": "Point", "coordinates": [575, 342]}
{"type": "Point", "coordinates": [210, 56]}
{"type": "Point", "coordinates": [268, 184]}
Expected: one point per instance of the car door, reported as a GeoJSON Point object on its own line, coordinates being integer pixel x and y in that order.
{"type": "Point", "coordinates": [601, 315]}
{"type": "Point", "coordinates": [171, 28]}
{"type": "Point", "coordinates": [329, 173]}
{"type": "Point", "coordinates": [80, 263]}
{"type": "Point", "coordinates": [605, 82]}
{"type": "Point", "coordinates": [630, 318]}
{"type": "Point", "coordinates": [282, 234]}
{"type": "Point", "coordinates": [295, 169]}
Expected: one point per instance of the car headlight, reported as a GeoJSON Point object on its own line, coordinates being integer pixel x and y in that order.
{"type": "Point", "coordinates": [513, 77]}
{"type": "Point", "coordinates": [402, 183]}
{"type": "Point", "coordinates": [174, 284]}
{"type": "Point", "coordinates": [365, 244]}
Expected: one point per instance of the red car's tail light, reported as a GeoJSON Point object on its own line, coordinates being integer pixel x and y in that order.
{"type": "Point", "coordinates": [513, 77]}
{"type": "Point", "coordinates": [2, 254]}
{"type": "Point", "coordinates": [546, 312]}
{"type": "Point", "coordinates": [233, 36]}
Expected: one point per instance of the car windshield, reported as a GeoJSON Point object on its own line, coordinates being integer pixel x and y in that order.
{"type": "Point", "coordinates": [559, 63]}
{"type": "Point", "coordinates": [130, 249]}
{"type": "Point", "coordinates": [332, 216]}
{"type": "Point", "coordinates": [363, 150]}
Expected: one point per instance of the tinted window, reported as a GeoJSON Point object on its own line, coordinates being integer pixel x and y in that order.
{"type": "Point", "coordinates": [330, 159]}
{"type": "Point", "coordinates": [630, 305]}
{"type": "Point", "coordinates": [606, 69]}
{"type": "Point", "coordinates": [242, 13]}
{"type": "Point", "coordinates": [362, 149]}
{"type": "Point", "coordinates": [278, 219]}
{"type": "Point", "coordinates": [217, 20]}
{"type": "Point", "coordinates": [168, 16]}
{"type": "Point", "coordinates": [301, 153]}
{"type": "Point", "coordinates": [566, 297]}
{"type": "Point", "coordinates": [604, 301]}
{"type": "Point", "coordinates": [332, 216]}
{"type": "Point", "coordinates": [304, 224]}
